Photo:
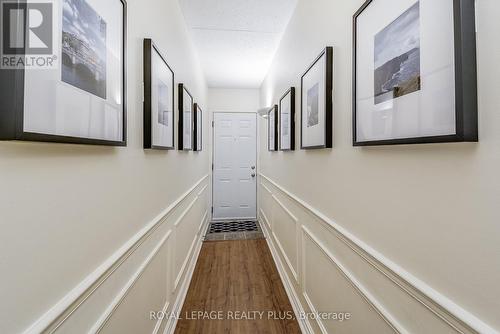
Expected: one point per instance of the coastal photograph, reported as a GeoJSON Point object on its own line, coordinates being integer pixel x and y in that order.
{"type": "Point", "coordinates": [397, 57]}
{"type": "Point", "coordinates": [84, 48]}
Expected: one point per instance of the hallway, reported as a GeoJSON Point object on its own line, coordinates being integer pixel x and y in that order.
{"type": "Point", "coordinates": [249, 166]}
{"type": "Point", "coordinates": [237, 287]}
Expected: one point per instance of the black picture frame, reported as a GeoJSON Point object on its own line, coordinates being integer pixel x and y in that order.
{"type": "Point", "coordinates": [198, 120]}
{"type": "Point", "coordinates": [328, 51]}
{"type": "Point", "coordinates": [149, 48]}
{"type": "Point", "coordinates": [274, 111]}
{"type": "Point", "coordinates": [290, 94]}
{"type": "Point", "coordinates": [466, 100]}
{"type": "Point", "coordinates": [181, 102]}
{"type": "Point", "coordinates": [12, 107]}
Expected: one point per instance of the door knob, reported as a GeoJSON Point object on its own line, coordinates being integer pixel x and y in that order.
{"type": "Point", "coordinates": [253, 167]}
{"type": "Point", "coordinates": [253, 174]}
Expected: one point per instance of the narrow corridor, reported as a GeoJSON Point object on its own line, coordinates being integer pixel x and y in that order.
{"type": "Point", "coordinates": [249, 166]}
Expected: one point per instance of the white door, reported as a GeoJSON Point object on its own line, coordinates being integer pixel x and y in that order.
{"type": "Point", "coordinates": [235, 166]}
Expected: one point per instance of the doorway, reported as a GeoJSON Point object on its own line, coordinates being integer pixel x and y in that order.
{"type": "Point", "coordinates": [235, 166]}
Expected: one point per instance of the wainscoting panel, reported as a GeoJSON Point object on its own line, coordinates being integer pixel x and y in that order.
{"type": "Point", "coordinates": [148, 293]}
{"type": "Point", "coordinates": [326, 269]}
{"type": "Point", "coordinates": [285, 233]}
{"type": "Point", "coordinates": [325, 286]}
{"type": "Point", "coordinates": [266, 204]}
{"type": "Point", "coordinates": [139, 278]}
{"type": "Point", "coordinates": [186, 236]}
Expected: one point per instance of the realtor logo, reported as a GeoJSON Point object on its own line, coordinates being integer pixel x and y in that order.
{"type": "Point", "coordinates": [27, 33]}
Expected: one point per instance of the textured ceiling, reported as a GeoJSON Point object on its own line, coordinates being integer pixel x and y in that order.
{"type": "Point", "coordinates": [236, 39]}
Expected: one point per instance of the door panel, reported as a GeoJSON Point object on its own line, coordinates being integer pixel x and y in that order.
{"type": "Point", "coordinates": [235, 158]}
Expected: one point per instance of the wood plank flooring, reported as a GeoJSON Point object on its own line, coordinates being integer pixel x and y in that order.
{"type": "Point", "coordinates": [231, 277]}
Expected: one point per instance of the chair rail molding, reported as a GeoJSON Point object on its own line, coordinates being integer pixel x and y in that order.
{"type": "Point", "coordinates": [295, 221]}
{"type": "Point", "coordinates": [65, 308]}
{"type": "Point", "coordinates": [304, 323]}
{"type": "Point", "coordinates": [184, 286]}
{"type": "Point", "coordinates": [119, 299]}
{"type": "Point", "coordinates": [404, 287]}
{"type": "Point", "coordinates": [374, 304]}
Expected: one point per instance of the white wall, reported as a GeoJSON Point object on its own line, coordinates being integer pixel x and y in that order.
{"type": "Point", "coordinates": [66, 210]}
{"type": "Point", "coordinates": [429, 212]}
{"type": "Point", "coordinates": [233, 100]}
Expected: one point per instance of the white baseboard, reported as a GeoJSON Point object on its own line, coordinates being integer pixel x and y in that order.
{"type": "Point", "coordinates": [128, 287]}
{"type": "Point", "coordinates": [184, 286]}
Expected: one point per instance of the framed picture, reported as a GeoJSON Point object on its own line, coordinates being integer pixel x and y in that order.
{"type": "Point", "coordinates": [414, 72]}
{"type": "Point", "coordinates": [198, 126]}
{"type": "Point", "coordinates": [81, 97]}
{"type": "Point", "coordinates": [272, 129]}
{"type": "Point", "coordinates": [316, 108]}
{"type": "Point", "coordinates": [287, 121]}
{"type": "Point", "coordinates": [186, 104]}
{"type": "Point", "coordinates": [158, 99]}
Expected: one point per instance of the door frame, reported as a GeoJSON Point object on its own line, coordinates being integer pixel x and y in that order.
{"type": "Point", "coordinates": [256, 161]}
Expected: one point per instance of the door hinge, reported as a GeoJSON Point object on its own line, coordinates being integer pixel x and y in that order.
{"type": "Point", "coordinates": [213, 124]}
{"type": "Point", "coordinates": [212, 166]}
{"type": "Point", "coordinates": [212, 209]}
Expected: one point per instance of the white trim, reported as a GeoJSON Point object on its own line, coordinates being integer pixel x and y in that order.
{"type": "Point", "coordinates": [185, 263]}
{"type": "Point", "coordinates": [186, 260]}
{"type": "Point", "coordinates": [360, 289]}
{"type": "Point", "coordinates": [185, 212]}
{"type": "Point", "coordinates": [266, 188]}
{"type": "Point", "coordinates": [440, 305]}
{"type": "Point", "coordinates": [280, 246]}
{"type": "Point", "coordinates": [203, 221]}
{"type": "Point", "coordinates": [202, 190]}
{"type": "Point", "coordinates": [181, 296]}
{"type": "Point", "coordinates": [77, 296]}
{"type": "Point", "coordinates": [287, 260]}
{"type": "Point", "coordinates": [118, 300]}
{"type": "Point", "coordinates": [304, 324]}
{"type": "Point", "coordinates": [160, 320]}
{"type": "Point", "coordinates": [313, 310]}
{"type": "Point", "coordinates": [268, 223]}
{"type": "Point", "coordinates": [285, 209]}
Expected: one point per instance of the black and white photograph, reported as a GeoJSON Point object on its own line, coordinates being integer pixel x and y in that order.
{"type": "Point", "coordinates": [82, 100]}
{"type": "Point", "coordinates": [313, 106]}
{"type": "Point", "coordinates": [84, 47]}
{"type": "Point", "coordinates": [158, 99]}
{"type": "Point", "coordinates": [397, 57]}
{"type": "Point", "coordinates": [272, 129]}
{"type": "Point", "coordinates": [414, 71]}
{"type": "Point", "coordinates": [287, 120]}
{"type": "Point", "coordinates": [186, 119]}
{"type": "Point", "coordinates": [285, 123]}
{"type": "Point", "coordinates": [317, 103]}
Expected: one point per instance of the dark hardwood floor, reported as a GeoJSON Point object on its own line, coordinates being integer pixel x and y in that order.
{"type": "Point", "coordinates": [236, 288]}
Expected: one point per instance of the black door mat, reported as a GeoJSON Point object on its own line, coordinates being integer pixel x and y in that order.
{"type": "Point", "coordinates": [234, 230]}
